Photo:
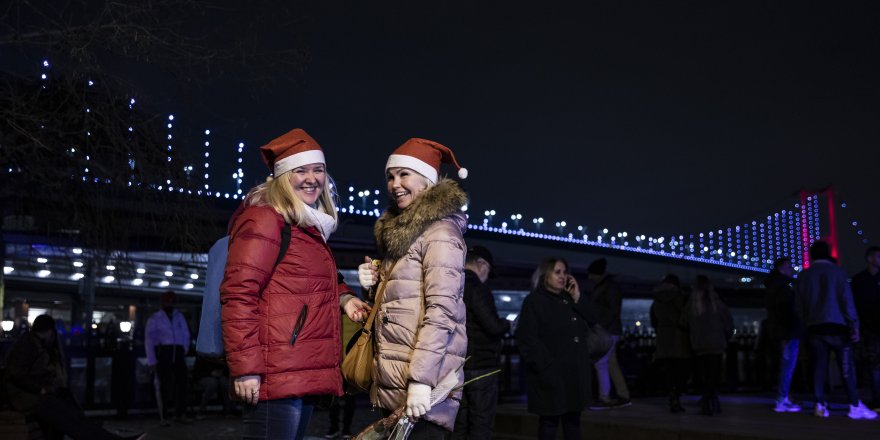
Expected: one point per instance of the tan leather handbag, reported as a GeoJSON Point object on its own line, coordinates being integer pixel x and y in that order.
{"type": "Point", "coordinates": [357, 367]}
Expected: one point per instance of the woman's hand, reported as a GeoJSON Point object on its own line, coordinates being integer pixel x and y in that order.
{"type": "Point", "coordinates": [247, 389]}
{"type": "Point", "coordinates": [356, 310]}
{"type": "Point", "coordinates": [571, 286]}
{"type": "Point", "coordinates": [368, 273]}
{"type": "Point", "coordinates": [418, 399]}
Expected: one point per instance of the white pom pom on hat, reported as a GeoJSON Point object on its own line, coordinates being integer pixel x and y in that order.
{"type": "Point", "coordinates": [424, 156]}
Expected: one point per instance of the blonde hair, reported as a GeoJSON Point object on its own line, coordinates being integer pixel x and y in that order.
{"type": "Point", "coordinates": [278, 193]}
{"type": "Point", "coordinates": [539, 277]}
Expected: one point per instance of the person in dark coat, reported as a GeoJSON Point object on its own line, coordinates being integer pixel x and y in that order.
{"type": "Point", "coordinates": [552, 339]}
{"type": "Point", "coordinates": [866, 294]}
{"type": "Point", "coordinates": [784, 328]}
{"type": "Point", "coordinates": [673, 352]}
{"type": "Point", "coordinates": [36, 382]}
{"type": "Point", "coordinates": [607, 300]}
{"type": "Point", "coordinates": [476, 415]}
{"type": "Point", "coordinates": [710, 325]}
{"type": "Point", "coordinates": [825, 305]}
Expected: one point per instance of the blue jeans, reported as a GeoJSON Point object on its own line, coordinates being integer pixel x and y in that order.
{"type": "Point", "coordinates": [280, 419]}
{"type": "Point", "coordinates": [787, 361]}
{"type": "Point", "coordinates": [842, 346]}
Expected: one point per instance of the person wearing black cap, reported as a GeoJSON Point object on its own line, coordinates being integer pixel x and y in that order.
{"type": "Point", "coordinates": [36, 384]}
{"type": "Point", "coordinates": [606, 300]}
{"type": "Point", "coordinates": [485, 328]}
{"type": "Point", "coordinates": [673, 352]}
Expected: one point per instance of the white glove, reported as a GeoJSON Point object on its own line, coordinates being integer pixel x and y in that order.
{"type": "Point", "coordinates": [368, 275]}
{"type": "Point", "coordinates": [418, 399]}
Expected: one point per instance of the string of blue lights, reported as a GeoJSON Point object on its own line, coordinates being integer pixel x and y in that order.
{"type": "Point", "coordinates": [751, 246]}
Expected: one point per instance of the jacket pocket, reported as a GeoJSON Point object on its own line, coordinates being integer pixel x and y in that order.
{"type": "Point", "coordinates": [398, 324]}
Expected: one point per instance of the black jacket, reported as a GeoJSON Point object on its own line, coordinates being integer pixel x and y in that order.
{"type": "Point", "coordinates": [484, 327]}
{"type": "Point", "coordinates": [552, 339]}
{"type": "Point", "coordinates": [711, 330]}
{"type": "Point", "coordinates": [783, 322]}
{"type": "Point", "coordinates": [606, 301]}
{"type": "Point", "coordinates": [866, 294]}
{"type": "Point", "coordinates": [673, 341]}
{"type": "Point", "coordinates": [31, 368]}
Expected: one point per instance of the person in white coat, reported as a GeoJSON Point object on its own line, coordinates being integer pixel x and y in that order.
{"type": "Point", "coordinates": [166, 342]}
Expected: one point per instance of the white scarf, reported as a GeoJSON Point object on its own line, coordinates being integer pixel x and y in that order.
{"type": "Point", "coordinates": [321, 220]}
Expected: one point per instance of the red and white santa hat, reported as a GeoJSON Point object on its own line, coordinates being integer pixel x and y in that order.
{"type": "Point", "coordinates": [424, 157]}
{"type": "Point", "coordinates": [291, 150]}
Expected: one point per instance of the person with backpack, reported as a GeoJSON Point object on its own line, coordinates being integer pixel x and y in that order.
{"type": "Point", "coordinates": [280, 316]}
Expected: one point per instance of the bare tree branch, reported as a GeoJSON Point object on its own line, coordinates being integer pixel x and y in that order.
{"type": "Point", "coordinates": [75, 158]}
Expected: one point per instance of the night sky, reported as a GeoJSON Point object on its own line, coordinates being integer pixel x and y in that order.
{"type": "Point", "coordinates": [643, 117]}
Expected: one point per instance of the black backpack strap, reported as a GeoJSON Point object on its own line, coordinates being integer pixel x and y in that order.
{"type": "Point", "coordinates": [285, 242]}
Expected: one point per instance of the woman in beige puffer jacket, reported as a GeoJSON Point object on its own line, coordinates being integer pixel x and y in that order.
{"type": "Point", "coordinates": [420, 325]}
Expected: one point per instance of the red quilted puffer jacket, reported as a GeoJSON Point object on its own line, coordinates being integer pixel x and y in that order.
{"type": "Point", "coordinates": [260, 308]}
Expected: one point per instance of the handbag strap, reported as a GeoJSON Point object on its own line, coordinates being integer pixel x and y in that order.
{"type": "Point", "coordinates": [368, 326]}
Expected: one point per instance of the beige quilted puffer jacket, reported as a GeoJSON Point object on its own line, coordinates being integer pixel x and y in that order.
{"type": "Point", "coordinates": [416, 344]}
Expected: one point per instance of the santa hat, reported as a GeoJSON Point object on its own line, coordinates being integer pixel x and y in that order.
{"type": "Point", "coordinates": [424, 157]}
{"type": "Point", "coordinates": [291, 150]}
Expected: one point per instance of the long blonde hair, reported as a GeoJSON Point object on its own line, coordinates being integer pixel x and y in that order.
{"type": "Point", "coordinates": [278, 193]}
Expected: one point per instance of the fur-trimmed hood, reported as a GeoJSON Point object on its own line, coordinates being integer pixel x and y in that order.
{"type": "Point", "coordinates": [396, 230]}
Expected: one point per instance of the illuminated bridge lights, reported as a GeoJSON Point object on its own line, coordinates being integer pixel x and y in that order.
{"type": "Point", "coordinates": [751, 246]}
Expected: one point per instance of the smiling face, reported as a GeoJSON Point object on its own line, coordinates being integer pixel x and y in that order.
{"type": "Point", "coordinates": [555, 279]}
{"type": "Point", "coordinates": [308, 182]}
{"type": "Point", "coordinates": [404, 185]}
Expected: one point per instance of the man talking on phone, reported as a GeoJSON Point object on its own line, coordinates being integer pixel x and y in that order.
{"type": "Point", "coordinates": [476, 416]}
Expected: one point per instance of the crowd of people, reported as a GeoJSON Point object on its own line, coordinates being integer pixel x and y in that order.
{"type": "Point", "coordinates": [436, 320]}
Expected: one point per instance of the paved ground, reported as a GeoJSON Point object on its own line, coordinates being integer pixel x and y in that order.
{"type": "Point", "coordinates": [744, 417]}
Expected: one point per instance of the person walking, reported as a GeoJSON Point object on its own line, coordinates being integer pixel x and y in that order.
{"type": "Point", "coordinates": [280, 314]}
{"type": "Point", "coordinates": [606, 300]}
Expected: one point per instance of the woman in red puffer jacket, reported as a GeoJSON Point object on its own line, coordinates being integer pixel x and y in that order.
{"type": "Point", "coordinates": [281, 321]}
